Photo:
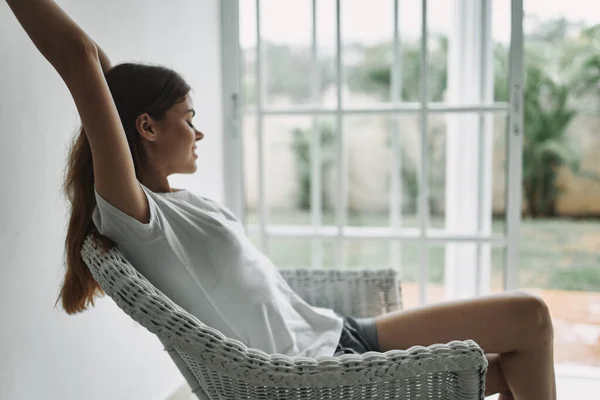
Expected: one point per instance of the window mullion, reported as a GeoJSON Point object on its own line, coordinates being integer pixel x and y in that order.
{"type": "Point", "coordinates": [384, 108]}
{"type": "Point", "coordinates": [232, 95]}
{"type": "Point", "coordinates": [316, 170]}
{"type": "Point", "coordinates": [259, 131]}
{"type": "Point", "coordinates": [331, 231]}
{"type": "Point", "coordinates": [515, 147]}
{"type": "Point", "coordinates": [395, 144]}
{"type": "Point", "coordinates": [341, 188]}
{"type": "Point", "coordinates": [485, 153]}
{"type": "Point", "coordinates": [424, 170]}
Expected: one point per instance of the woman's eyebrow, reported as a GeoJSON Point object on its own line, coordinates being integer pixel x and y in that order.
{"type": "Point", "coordinates": [192, 111]}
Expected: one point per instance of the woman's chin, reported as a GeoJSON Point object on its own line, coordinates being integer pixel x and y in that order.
{"type": "Point", "coordinates": [189, 168]}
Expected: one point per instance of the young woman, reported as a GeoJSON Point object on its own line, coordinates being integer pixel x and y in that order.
{"type": "Point", "coordinates": [136, 131]}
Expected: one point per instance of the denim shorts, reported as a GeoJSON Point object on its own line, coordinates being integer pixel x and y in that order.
{"type": "Point", "coordinates": [359, 335]}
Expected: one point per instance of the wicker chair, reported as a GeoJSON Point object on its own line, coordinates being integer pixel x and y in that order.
{"type": "Point", "coordinates": [216, 367]}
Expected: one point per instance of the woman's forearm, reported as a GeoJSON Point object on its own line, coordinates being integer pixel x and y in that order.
{"type": "Point", "coordinates": [52, 31]}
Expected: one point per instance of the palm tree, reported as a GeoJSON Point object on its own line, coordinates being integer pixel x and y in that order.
{"type": "Point", "coordinates": [586, 76]}
{"type": "Point", "coordinates": [546, 146]}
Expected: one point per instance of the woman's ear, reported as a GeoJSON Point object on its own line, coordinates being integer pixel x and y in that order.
{"type": "Point", "coordinates": [145, 127]}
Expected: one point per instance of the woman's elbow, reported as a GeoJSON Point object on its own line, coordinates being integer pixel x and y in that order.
{"type": "Point", "coordinates": [75, 52]}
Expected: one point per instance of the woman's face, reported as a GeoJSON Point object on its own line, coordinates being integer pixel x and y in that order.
{"type": "Point", "coordinates": [174, 144]}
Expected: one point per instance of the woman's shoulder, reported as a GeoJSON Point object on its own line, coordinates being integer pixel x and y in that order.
{"type": "Point", "coordinates": [219, 207]}
{"type": "Point", "coordinates": [205, 203]}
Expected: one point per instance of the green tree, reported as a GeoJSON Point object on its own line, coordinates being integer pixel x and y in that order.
{"type": "Point", "coordinates": [373, 74]}
{"type": "Point", "coordinates": [547, 114]}
{"type": "Point", "coordinates": [586, 62]}
{"type": "Point", "coordinates": [546, 146]}
{"type": "Point", "coordinates": [552, 74]}
{"type": "Point", "coordinates": [287, 72]}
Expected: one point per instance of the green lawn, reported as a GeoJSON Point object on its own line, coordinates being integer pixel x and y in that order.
{"type": "Point", "coordinates": [554, 253]}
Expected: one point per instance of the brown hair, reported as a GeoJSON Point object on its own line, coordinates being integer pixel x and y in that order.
{"type": "Point", "coordinates": [136, 89]}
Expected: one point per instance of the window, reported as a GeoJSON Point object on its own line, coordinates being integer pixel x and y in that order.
{"type": "Point", "coordinates": [368, 134]}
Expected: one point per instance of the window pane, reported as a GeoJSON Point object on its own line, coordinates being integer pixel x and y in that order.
{"type": "Point", "coordinates": [247, 19]}
{"type": "Point", "coordinates": [367, 169]}
{"type": "Point", "coordinates": [447, 38]}
{"type": "Point", "coordinates": [371, 169]}
{"type": "Point", "coordinates": [367, 50]}
{"type": "Point", "coordinates": [560, 234]}
{"type": "Point", "coordinates": [250, 172]}
{"type": "Point", "coordinates": [290, 252]}
{"type": "Point", "coordinates": [294, 252]}
{"type": "Point", "coordinates": [559, 260]}
{"type": "Point", "coordinates": [369, 54]}
{"type": "Point", "coordinates": [501, 42]}
{"type": "Point", "coordinates": [288, 167]}
{"type": "Point", "coordinates": [437, 161]}
{"type": "Point", "coordinates": [498, 268]}
{"type": "Point", "coordinates": [438, 264]}
{"type": "Point", "coordinates": [409, 29]}
{"type": "Point", "coordinates": [326, 53]}
{"type": "Point", "coordinates": [367, 253]}
{"type": "Point", "coordinates": [286, 40]}
{"type": "Point", "coordinates": [458, 185]}
{"type": "Point", "coordinates": [408, 153]}
{"type": "Point", "coordinates": [559, 254]}
{"type": "Point", "coordinates": [286, 53]}
{"type": "Point", "coordinates": [439, 29]}
{"type": "Point", "coordinates": [286, 190]}
{"type": "Point", "coordinates": [254, 237]}
{"type": "Point", "coordinates": [410, 273]}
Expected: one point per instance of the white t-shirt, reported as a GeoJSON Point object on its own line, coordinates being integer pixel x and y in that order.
{"type": "Point", "coordinates": [196, 252]}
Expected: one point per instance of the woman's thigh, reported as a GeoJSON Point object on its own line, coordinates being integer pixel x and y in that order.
{"type": "Point", "coordinates": [499, 323]}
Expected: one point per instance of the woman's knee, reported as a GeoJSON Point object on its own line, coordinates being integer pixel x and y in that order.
{"type": "Point", "coordinates": [535, 316]}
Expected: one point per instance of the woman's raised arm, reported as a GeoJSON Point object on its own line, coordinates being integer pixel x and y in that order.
{"type": "Point", "coordinates": [52, 31]}
{"type": "Point", "coordinates": [76, 58]}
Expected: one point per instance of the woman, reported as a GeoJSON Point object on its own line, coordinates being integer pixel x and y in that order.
{"type": "Point", "coordinates": [136, 131]}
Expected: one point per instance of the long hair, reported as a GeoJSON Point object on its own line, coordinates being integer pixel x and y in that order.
{"type": "Point", "coordinates": [136, 89]}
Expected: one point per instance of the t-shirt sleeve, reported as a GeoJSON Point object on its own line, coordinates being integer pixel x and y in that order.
{"type": "Point", "coordinates": [121, 227]}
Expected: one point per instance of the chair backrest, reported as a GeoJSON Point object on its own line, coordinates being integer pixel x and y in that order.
{"type": "Point", "coordinates": [147, 305]}
{"type": "Point", "coordinates": [364, 292]}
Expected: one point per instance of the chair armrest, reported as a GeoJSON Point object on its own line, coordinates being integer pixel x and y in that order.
{"type": "Point", "coordinates": [354, 292]}
{"type": "Point", "coordinates": [453, 371]}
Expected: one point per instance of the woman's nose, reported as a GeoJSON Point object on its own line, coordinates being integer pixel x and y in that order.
{"type": "Point", "coordinates": [199, 135]}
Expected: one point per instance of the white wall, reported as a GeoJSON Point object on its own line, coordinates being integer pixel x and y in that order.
{"type": "Point", "coordinates": [100, 354]}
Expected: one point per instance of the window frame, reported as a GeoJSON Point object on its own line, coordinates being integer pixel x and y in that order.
{"type": "Point", "coordinates": [234, 111]}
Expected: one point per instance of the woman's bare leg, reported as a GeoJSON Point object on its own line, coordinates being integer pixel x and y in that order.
{"type": "Point", "coordinates": [495, 382]}
{"type": "Point", "coordinates": [514, 325]}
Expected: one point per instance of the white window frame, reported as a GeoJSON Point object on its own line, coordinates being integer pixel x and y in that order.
{"type": "Point", "coordinates": [233, 113]}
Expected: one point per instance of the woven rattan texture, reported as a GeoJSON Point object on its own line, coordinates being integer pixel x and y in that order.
{"type": "Point", "coordinates": [221, 368]}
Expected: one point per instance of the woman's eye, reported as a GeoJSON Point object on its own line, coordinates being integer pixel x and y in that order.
{"type": "Point", "coordinates": [191, 125]}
